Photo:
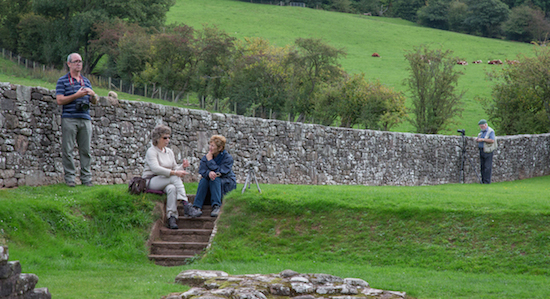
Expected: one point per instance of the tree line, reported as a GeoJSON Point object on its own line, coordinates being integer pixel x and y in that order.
{"type": "Point", "coordinates": [518, 20]}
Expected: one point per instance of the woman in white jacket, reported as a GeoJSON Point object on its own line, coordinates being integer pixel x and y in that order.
{"type": "Point", "coordinates": [165, 174]}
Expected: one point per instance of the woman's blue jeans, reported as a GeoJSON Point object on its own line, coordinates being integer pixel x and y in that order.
{"type": "Point", "coordinates": [215, 188]}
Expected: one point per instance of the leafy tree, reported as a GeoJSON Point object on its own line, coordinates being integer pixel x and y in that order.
{"type": "Point", "coordinates": [11, 12]}
{"type": "Point", "coordinates": [521, 97]}
{"type": "Point", "coordinates": [486, 16]}
{"type": "Point", "coordinates": [526, 24]}
{"type": "Point", "coordinates": [432, 83]}
{"type": "Point", "coordinates": [406, 9]}
{"type": "Point", "coordinates": [539, 26]}
{"type": "Point", "coordinates": [133, 54]}
{"type": "Point", "coordinates": [215, 50]}
{"type": "Point", "coordinates": [342, 5]}
{"type": "Point", "coordinates": [367, 6]}
{"type": "Point", "coordinates": [68, 25]}
{"type": "Point", "coordinates": [357, 101]}
{"type": "Point", "coordinates": [516, 26]}
{"type": "Point", "coordinates": [31, 27]}
{"type": "Point", "coordinates": [456, 15]}
{"type": "Point", "coordinates": [325, 104]}
{"type": "Point", "coordinates": [385, 108]}
{"type": "Point", "coordinates": [354, 94]}
{"type": "Point", "coordinates": [259, 78]}
{"type": "Point", "coordinates": [173, 59]}
{"type": "Point", "coordinates": [434, 14]}
{"type": "Point", "coordinates": [314, 63]}
{"type": "Point", "coordinates": [112, 40]}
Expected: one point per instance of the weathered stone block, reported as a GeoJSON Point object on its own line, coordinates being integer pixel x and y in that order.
{"type": "Point", "coordinates": [23, 93]}
{"type": "Point", "coordinates": [4, 254]}
{"type": "Point", "coordinates": [10, 94]}
{"type": "Point", "coordinates": [10, 269]}
{"type": "Point", "coordinates": [25, 282]}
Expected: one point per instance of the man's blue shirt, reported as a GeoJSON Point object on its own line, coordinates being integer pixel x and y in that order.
{"type": "Point", "coordinates": [67, 86]}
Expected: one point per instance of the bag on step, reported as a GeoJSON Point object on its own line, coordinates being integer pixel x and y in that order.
{"type": "Point", "coordinates": [137, 185]}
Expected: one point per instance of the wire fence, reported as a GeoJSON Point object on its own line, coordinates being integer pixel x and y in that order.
{"type": "Point", "coordinates": [51, 74]}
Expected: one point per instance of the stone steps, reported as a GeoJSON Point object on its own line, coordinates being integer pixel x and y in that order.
{"type": "Point", "coordinates": [174, 247]}
{"type": "Point", "coordinates": [14, 284]}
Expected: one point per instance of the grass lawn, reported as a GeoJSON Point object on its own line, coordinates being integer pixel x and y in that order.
{"type": "Point", "coordinates": [447, 241]}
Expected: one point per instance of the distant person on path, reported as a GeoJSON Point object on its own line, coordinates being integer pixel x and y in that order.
{"type": "Point", "coordinates": [165, 175]}
{"type": "Point", "coordinates": [487, 135]}
{"type": "Point", "coordinates": [75, 93]}
{"type": "Point", "coordinates": [217, 175]}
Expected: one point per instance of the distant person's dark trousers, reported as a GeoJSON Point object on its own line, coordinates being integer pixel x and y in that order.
{"type": "Point", "coordinates": [486, 161]}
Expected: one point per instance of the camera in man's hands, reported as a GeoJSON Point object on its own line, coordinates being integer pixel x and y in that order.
{"type": "Point", "coordinates": [461, 131]}
{"type": "Point", "coordinates": [82, 106]}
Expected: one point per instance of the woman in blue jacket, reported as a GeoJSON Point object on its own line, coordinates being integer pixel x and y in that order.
{"type": "Point", "coordinates": [217, 175]}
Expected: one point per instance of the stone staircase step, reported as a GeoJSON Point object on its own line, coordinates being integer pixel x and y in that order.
{"type": "Point", "coordinates": [170, 260]}
{"type": "Point", "coordinates": [203, 222]}
{"type": "Point", "coordinates": [177, 248]}
{"type": "Point", "coordinates": [187, 235]}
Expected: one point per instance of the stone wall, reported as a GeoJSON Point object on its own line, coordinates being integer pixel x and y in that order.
{"type": "Point", "coordinates": [17, 285]}
{"type": "Point", "coordinates": [288, 153]}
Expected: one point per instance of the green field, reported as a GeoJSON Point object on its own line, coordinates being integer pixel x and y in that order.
{"type": "Point", "coordinates": [448, 241]}
{"type": "Point", "coordinates": [360, 36]}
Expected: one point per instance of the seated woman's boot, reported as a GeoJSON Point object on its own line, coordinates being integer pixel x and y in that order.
{"type": "Point", "coordinates": [172, 223]}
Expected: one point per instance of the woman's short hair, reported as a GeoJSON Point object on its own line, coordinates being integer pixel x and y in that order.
{"type": "Point", "coordinates": [158, 132]}
{"type": "Point", "coordinates": [219, 141]}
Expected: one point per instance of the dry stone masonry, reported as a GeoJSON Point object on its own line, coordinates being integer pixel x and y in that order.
{"type": "Point", "coordinates": [17, 285]}
{"type": "Point", "coordinates": [287, 152]}
{"type": "Point", "coordinates": [287, 284]}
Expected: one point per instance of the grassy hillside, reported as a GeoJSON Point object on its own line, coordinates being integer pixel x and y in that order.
{"type": "Point", "coordinates": [360, 36]}
{"type": "Point", "coordinates": [450, 241]}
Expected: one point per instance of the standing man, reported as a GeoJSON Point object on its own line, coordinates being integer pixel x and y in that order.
{"type": "Point", "coordinates": [487, 135]}
{"type": "Point", "coordinates": [74, 92]}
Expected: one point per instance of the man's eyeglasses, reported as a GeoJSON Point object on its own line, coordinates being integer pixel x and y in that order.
{"type": "Point", "coordinates": [165, 138]}
{"type": "Point", "coordinates": [77, 62]}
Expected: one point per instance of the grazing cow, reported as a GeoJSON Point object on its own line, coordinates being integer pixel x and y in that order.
{"type": "Point", "coordinates": [496, 61]}
{"type": "Point", "coordinates": [375, 54]}
{"type": "Point", "coordinates": [511, 61]}
{"type": "Point", "coordinates": [477, 62]}
{"type": "Point", "coordinates": [462, 62]}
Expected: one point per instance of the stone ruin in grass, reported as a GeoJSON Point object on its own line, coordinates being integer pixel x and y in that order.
{"type": "Point", "coordinates": [287, 284]}
{"type": "Point", "coordinates": [17, 285]}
